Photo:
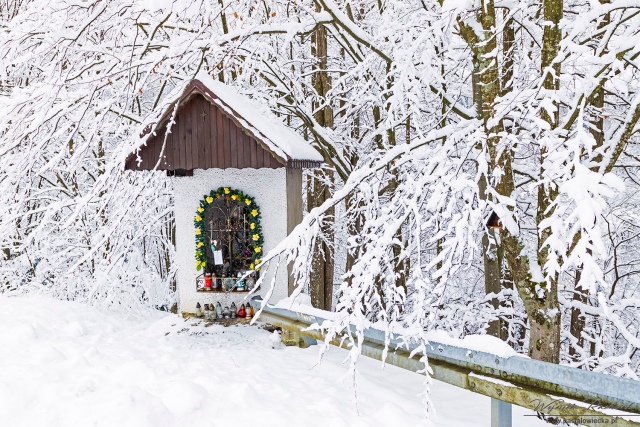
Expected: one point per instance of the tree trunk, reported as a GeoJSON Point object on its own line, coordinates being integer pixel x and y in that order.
{"type": "Point", "coordinates": [578, 319]}
{"type": "Point", "coordinates": [542, 298]}
{"type": "Point", "coordinates": [541, 303]}
{"type": "Point", "coordinates": [321, 277]}
{"type": "Point", "coordinates": [492, 268]}
{"type": "Point", "coordinates": [485, 87]}
{"type": "Point", "coordinates": [544, 330]}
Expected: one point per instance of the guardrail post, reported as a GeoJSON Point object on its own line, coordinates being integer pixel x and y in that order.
{"type": "Point", "coordinates": [294, 338]}
{"type": "Point", "coordinates": [500, 413]}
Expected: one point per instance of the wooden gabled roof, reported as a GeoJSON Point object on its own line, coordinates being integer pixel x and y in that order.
{"type": "Point", "coordinates": [215, 127]}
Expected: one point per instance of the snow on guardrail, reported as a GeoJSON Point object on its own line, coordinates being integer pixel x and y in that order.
{"type": "Point", "coordinates": [485, 366]}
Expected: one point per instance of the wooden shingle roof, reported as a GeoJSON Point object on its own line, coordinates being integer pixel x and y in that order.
{"type": "Point", "coordinates": [216, 127]}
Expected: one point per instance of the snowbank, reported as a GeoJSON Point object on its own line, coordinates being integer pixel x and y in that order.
{"type": "Point", "coordinates": [65, 364]}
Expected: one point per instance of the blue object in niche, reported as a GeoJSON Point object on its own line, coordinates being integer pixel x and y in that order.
{"type": "Point", "coordinates": [229, 283]}
{"type": "Point", "coordinates": [240, 286]}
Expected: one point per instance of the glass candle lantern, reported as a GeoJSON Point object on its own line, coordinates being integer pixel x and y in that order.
{"type": "Point", "coordinates": [219, 311]}
{"type": "Point", "coordinates": [229, 283]}
{"type": "Point", "coordinates": [234, 310]}
{"type": "Point", "coordinates": [240, 282]}
{"type": "Point", "coordinates": [242, 312]}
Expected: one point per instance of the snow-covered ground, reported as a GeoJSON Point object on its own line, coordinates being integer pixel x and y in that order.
{"type": "Point", "coordinates": [66, 364]}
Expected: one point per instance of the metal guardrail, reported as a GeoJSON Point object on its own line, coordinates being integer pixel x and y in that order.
{"type": "Point", "coordinates": [554, 390]}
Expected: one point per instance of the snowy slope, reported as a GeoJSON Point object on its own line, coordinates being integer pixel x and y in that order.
{"type": "Point", "coordinates": [65, 364]}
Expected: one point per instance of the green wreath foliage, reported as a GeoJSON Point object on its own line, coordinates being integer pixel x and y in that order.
{"type": "Point", "coordinates": [255, 216]}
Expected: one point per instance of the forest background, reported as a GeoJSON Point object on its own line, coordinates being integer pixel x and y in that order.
{"type": "Point", "coordinates": [431, 115]}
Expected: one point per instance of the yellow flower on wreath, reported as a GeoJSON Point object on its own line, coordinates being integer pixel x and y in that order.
{"type": "Point", "coordinates": [198, 262]}
{"type": "Point", "coordinates": [198, 218]}
{"type": "Point", "coordinates": [200, 244]}
{"type": "Point", "coordinates": [254, 212]}
{"type": "Point", "coordinates": [257, 249]}
{"type": "Point", "coordinates": [209, 199]}
{"type": "Point", "coordinates": [252, 266]}
{"type": "Point", "coordinates": [226, 191]}
{"type": "Point", "coordinates": [252, 226]}
{"type": "Point", "coordinates": [248, 202]}
{"type": "Point", "coordinates": [256, 237]}
{"type": "Point", "coordinates": [198, 231]}
{"type": "Point", "coordinates": [200, 209]}
{"type": "Point", "coordinates": [234, 197]}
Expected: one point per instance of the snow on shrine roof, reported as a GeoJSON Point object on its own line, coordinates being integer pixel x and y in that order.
{"type": "Point", "coordinates": [255, 119]}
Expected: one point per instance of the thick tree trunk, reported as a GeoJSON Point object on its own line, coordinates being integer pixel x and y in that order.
{"type": "Point", "coordinates": [541, 304]}
{"type": "Point", "coordinates": [485, 88]}
{"type": "Point", "coordinates": [544, 330]}
{"type": "Point", "coordinates": [492, 269]}
{"type": "Point", "coordinates": [541, 299]}
{"type": "Point", "coordinates": [322, 264]}
{"type": "Point", "coordinates": [321, 278]}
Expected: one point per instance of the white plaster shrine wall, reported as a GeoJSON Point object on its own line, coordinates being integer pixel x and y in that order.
{"type": "Point", "coordinates": [267, 187]}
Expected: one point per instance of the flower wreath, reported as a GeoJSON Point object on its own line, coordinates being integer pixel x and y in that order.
{"type": "Point", "coordinates": [254, 216]}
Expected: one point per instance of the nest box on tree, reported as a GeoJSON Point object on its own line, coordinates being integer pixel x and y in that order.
{"type": "Point", "coordinates": [494, 221]}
